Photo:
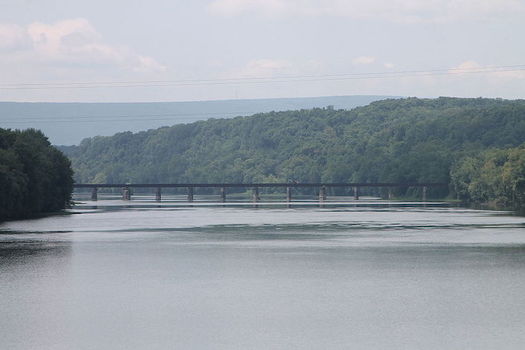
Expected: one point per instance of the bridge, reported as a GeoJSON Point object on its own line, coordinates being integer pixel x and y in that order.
{"type": "Point", "coordinates": [126, 188]}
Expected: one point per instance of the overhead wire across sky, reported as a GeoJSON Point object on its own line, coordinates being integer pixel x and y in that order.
{"type": "Point", "coordinates": [260, 80]}
{"type": "Point", "coordinates": [189, 116]}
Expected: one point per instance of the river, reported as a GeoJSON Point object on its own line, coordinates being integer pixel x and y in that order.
{"type": "Point", "coordinates": [358, 275]}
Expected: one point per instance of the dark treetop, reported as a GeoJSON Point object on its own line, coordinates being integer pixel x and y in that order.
{"type": "Point", "coordinates": [35, 177]}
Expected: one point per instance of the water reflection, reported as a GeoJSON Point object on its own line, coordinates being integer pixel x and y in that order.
{"type": "Point", "coordinates": [235, 276]}
{"type": "Point", "coordinates": [26, 247]}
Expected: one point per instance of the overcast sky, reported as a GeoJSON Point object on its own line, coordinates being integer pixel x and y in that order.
{"type": "Point", "coordinates": [323, 44]}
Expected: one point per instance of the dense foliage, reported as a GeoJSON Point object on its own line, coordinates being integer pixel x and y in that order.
{"type": "Point", "coordinates": [401, 140]}
{"type": "Point", "coordinates": [496, 176]}
{"type": "Point", "coordinates": [34, 176]}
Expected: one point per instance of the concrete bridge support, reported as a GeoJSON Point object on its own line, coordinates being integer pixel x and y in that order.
{"type": "Point", "coordinates": [424, 193]}
{"type": "Point", "coordinates": [356, 193]}
{"type": "Point", "coordinates": [126, 194]}
{"type": "Point", "coordinates": [94, 194]}
{"type": "Point", "coordinates": [390, 193]}
{"type": "Point", "coordinates": [255, 194]}
{"type": "Point", "coordinates": [288, 194]}
{"type": "Point", "coordinates": [322, 193]}
{"type": "Point", "coordinates": [223, 194]}
{"type": "Point", "coordinates": [190, 194]}
{"type": "Point", "coordinates": [158, 194]}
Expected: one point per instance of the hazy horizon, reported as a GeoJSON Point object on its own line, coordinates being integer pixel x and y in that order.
{"type": "Point", "coordinates": [222, 99]}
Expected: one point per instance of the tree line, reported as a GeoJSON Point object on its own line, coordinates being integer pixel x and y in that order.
{"type": "Point", "coordinates": [35, 177]}
{"type": "Point", "coordinates": [398, 140]}
{"type": "Point", "coordinates": [496, 176]}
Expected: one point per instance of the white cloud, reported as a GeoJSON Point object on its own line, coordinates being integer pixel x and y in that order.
{"type": "Point", "coordinates": [389, 65]}
{"type": "Point", "coordinates": [261, 68]}
{"type": "Point", "coordinates": [269, 68]}
{"type": "Point", "coordinates": [268, 65]}
{"type": "Point", "coordinates": [364, 60]}
{"type": "Point", "coordinates": [72, 42]}
{"type": "Point", "coordinates": [12, 37]}
{"type": "Point", "coordinates": [147, 64]}
{"type": "Point", "coordinates": [236, 7]}
{"type": "Point", "coordinates": [407, 11]}
{"type": "Point", "coordinates": [491, 73]}
{"type": "Point", "coordinates": [466, 66]}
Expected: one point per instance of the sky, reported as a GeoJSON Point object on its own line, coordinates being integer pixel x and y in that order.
{"type": "Point", "coordinates": [173, 50]}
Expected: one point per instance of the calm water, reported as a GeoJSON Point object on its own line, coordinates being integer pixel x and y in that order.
{"type": "Point", "coordinates": [375, 276]}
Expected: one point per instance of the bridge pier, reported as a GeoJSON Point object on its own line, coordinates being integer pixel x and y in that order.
{"type": "Point", "coordinates": [424, 193]}
{"type": "Point", "coordinates": [356, 193]}
{"type": "Point", "coordinates": [322, 193]}
{"type": "Point", "coordinates": [288, 194]}
{"type": "Point", "coordinates": [390, 193]}
{"type": "Point", "coordinates": [255, 194]}
{"type": "Point", "coordinates": [126, 194]}
{"type": "Point", "coordinates": [94, 194]}
{"type": "Point", "coordinates": [190, 194]}
{"type": "Point", "coordinates": [158, 194]}
{"type": "Point", "coordinates": [223, 194]}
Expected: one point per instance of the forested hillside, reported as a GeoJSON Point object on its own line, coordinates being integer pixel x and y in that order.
{"type": "Point", "coordinates": [401, 140]}
{"type": "Point", "coordinates": [34, 176]}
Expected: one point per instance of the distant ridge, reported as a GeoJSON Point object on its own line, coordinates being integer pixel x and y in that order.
{"type": "Point", "coordinates": [69, 123]}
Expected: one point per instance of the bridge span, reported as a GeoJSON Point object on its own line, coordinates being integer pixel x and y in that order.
{"type": "Point", "coordinates": [126, 188]}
